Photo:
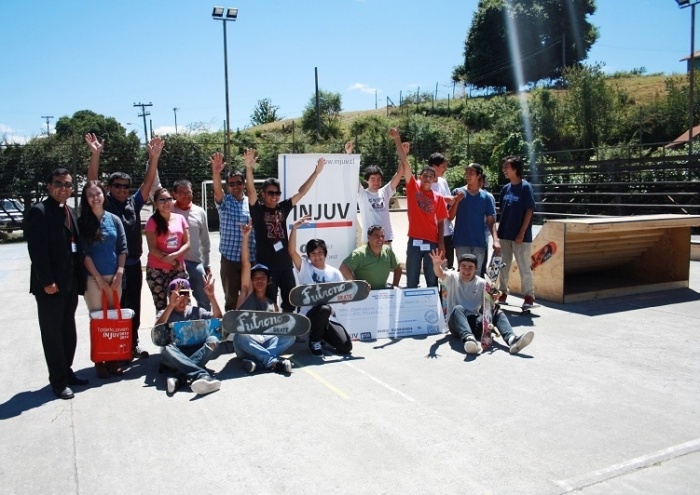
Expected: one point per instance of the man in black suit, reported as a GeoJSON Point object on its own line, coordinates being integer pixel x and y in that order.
{"type": "Point", "coordinates": [51, 231]}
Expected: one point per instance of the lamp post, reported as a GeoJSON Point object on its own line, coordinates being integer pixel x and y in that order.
{"type": "Point", "coordinates": [224, 15]}
{"type": "Point", "coordinates": [691, 90]}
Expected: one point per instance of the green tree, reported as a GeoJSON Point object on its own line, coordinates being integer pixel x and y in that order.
{"type": "Point", "coordinates": [330, 106]}
{"type": "Point", "coordinates": [264, 112]}
{"type": "Point", "coordinates": [591, 105]}
{"type": "Point", "coordinates": [539, 29]}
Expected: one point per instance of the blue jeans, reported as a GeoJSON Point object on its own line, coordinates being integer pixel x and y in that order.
{"type": "Point", "coordinates": [414, 257]}
{"type": "Point", "coordinates": [189, 365]}
{"type": "Point", "coordinates": [264, 353]}
{"type": "Point", "coordinates": [196, 272]}
{"type": "Point", "coordinates": [464, 325]}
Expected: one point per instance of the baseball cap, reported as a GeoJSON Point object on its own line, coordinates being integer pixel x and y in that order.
{"type": "Point", "coordinates": [179, 283]}
{"type": "Point", "coordinates": [259, 267]}
{"type": "Point", "coordinates": [471, 258]}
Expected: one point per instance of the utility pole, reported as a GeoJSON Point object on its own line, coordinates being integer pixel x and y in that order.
{"type": "Point", "coordinates": [143, 114]}
{"type": "Point", "coordinates": [175, 109]}
{"type": "Point", "coordinates": [48, 118]}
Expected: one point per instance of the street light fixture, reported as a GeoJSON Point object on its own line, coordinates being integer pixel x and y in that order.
{"type": "Point", "coordinates": [691, 77]}
{"type": "Point", "coordinates": [224, 15]}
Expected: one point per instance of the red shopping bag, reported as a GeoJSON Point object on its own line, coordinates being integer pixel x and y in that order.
{"type": "Point", "coordinates": [110, 336]}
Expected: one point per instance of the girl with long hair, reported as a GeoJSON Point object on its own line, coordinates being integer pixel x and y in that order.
{"type": "Point", "coordinates": [168, 241]}
{"type": "Point", "coordinates": [104, 243]}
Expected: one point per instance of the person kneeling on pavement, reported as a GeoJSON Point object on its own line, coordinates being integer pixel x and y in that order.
{"type": "Point", "coordinates": [188, 361]}
{"type": "Point", "coordinates": [465, 296]}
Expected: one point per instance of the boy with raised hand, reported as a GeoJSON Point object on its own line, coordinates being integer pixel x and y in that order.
{"type": "Point", "coordinates": [426, 211]}
{"type": "Point", "coordinates": [189, 361]}
{"type": "Point", "coordinates": [269, 222]}
{"type": "Point", "coordinates": [465, 296]}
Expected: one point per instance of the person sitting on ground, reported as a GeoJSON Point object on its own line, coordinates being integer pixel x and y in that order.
{"type": "Point", "coordinates": [189, 361]}
{"type": "Point", "coordinates": [258, 350]}
{"type": "Point", "coordinates": [313, 269]}
{"type": "Point", "coordinates": [465, 296]}
{"type": "Point", "coordinates": [373, 262]}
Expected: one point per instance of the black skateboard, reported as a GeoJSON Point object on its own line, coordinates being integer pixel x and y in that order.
{"type": "Point", "coordinates": [265, 323]}
{"type": "Point", "coordinates": [329, 293]}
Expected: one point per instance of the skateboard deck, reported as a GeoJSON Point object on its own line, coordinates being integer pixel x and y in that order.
{"type": "Point", "coordinates": [488, 304]}
{"type": "Point", "coordinates": [520, 307]}
{"type": "Point", "coordinates": [329, 293]}
{"type": "Point", "coordinates": [183, 333]}
{"type": "Point", "coordinates": [265, 323]}
{"type": "Point", "coordinates": [543, 254]}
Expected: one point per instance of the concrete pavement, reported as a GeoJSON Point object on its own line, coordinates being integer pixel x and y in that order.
{"type": "Point", "coordinates": [605, 400]}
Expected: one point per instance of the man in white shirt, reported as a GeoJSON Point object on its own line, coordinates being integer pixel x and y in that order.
{"type": "Point", "coordinates": [197, 258]}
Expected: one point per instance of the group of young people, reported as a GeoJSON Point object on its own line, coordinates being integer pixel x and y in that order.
{"type": "Point", "coordinates": [99, 252]}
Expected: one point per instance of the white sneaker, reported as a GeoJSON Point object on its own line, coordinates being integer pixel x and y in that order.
{"type": "Point", "coordinates": [471, 346]}
{"type": "Point", "coordinates": [519, 343]}
{"type": "Point", "coordinates": [205, 385]}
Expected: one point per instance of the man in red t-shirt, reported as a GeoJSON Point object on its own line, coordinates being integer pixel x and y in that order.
{"type": "Point", "coordinates": [426, 211]}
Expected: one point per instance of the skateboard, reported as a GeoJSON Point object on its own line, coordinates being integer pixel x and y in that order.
{"type": "Point", "coordinates": [488, 304]}
{"type": "Point", "coordinates": [329, 293]}
{"type": "Point", "coordinates": [543, 254]}
{"type": "Point", "coordinates": [524, 311]}
{"type": "Point", "coordinates": [183, 333]}
{"type": "Point", "coordinates": [265, 323]}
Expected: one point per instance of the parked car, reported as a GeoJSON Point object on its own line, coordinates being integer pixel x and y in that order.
{"type": "Point", "coordinates": [11, 215]}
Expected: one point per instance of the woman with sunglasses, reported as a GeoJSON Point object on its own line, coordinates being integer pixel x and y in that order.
{"type": "Point", "coordinates": [168, 241]}
{"type": "Point", "coordinates": [104, 243]}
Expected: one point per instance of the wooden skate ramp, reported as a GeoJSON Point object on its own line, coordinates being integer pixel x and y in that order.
{"type": "Point", "coordinates": [596, 258]}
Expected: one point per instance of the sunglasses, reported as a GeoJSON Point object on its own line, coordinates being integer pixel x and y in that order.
{"type": "Point", "coordinates": [165, 200]}
{"type": "Point", "coordinates": [235, 183]}
{"type": "Point", "coordinates": [119, 185]}
{"type": "Point", "coordinates": [273, 193]}
{"type": "Point", "coordinates": [58, 184]}
{"type": "Point", "coordinates": [185, 292]}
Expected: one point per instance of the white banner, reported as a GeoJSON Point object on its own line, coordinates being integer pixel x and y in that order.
{"type": "Point", "coordinates": [393, 313]}
{"type": "Point", "coordinates": [331, 201]}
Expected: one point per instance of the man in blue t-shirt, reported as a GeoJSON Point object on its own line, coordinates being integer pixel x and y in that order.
{"type": "Point", "coordinates": [517, 203]}
{"type": "Point", "coordinates": [471, 207]}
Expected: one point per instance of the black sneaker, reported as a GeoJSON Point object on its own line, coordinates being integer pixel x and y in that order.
{"type": "Point", "coordinates": [519, 343]}
{"type": "Point", "coordinates": [249, 365]}
{"type": "Point", "coordinates": [283, 366]}
{"type": "Point", "coordinates": [139, 353]}
{"type": "Point", "coordinates": [316, 347]}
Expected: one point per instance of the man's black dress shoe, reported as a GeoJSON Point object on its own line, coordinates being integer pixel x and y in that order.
{"type": "Point", "coordinates": [76, 380]}
{"type": "Point", "coordinates": [63, 392]}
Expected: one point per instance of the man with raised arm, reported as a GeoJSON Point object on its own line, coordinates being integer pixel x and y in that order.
{"type": "Point", "coordinates": [426, 211]}
{"type": "Point", "coordinates": [234, 211]}
{"type": "Point", "coordinates": [374, 201]}
{"type": "Point", "coordinates": [127, 207]}
{"type": "Point", "coordinates": [465, 297]}
{"type": "Point", "coordinates": [269, 222]}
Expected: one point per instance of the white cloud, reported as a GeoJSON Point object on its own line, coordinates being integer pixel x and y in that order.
{"type": "Point", "coordinates": [363, 88]}
{"type": "Point", "coordinates": [10, 135]}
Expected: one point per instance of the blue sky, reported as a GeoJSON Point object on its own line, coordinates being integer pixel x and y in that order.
{"type": "Point", "coordinates": [60, 57]}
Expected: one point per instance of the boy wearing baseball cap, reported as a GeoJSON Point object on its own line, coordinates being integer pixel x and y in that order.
{"type": "Point", "coordinates": [189, 361]}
